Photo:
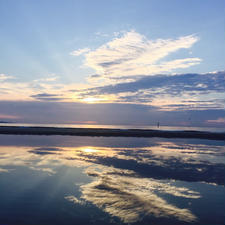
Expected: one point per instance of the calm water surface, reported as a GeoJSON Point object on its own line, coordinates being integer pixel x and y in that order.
{"type": "Point", "coordinates": [96, 180]}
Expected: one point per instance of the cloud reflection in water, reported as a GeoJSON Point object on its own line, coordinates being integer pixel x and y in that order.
{"type": "Point", "coordinates": [131, 198]}
{"type": "Point", "coordinates": [129, 183]}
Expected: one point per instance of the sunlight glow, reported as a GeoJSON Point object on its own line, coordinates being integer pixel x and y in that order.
{"type": "Point", "coordinates": [93, 100]}
{"type": "Point", "coordinates": [89, 150]}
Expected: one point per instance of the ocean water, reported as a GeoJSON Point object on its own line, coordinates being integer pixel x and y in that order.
{"type": "Point", "coordinates": [97, 180]}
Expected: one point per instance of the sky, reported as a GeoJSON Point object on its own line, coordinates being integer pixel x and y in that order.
{"type": "Point", "coordinates": [113, 62]}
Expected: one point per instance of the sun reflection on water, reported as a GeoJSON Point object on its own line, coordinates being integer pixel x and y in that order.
{"type": "Point", "coordinates": [122, 182]}
{"type": "Point", "coordinates": [90, 150]}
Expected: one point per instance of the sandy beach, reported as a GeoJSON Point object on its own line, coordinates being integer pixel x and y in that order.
{"type": "Point", "coordinates": [16, 130]}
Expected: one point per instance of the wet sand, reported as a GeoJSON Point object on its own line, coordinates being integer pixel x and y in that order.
{"type": "Point", "coordinates": [17, 130]}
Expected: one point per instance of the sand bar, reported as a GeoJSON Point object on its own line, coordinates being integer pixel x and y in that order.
{"type": "Point", "coordinates": [18, 130]}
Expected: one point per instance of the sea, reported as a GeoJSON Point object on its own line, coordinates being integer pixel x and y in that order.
{"type": "Point", "coordinates": [69, 180]}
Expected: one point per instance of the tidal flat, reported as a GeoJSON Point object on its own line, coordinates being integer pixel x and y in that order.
{"type": "Point", "coordinates": [25, 130]}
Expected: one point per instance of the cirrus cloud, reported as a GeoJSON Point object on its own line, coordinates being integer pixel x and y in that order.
{"type": "Point", "coordinates": [4, 77]}
{"type": "Point", "coordinates": [133, 54]}
{"type": "Point", "coordinates": [80, 51]}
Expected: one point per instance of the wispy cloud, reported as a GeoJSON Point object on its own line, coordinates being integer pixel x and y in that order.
{"type": "Point", "coordinates": [49, 171]}
{"type": "Point", "coordinates": [133, 54]}
{"type": "Point", "coordinates": [75, 200]}
{"type": "Point", "coordinates": [2, 170]}
{"type": "Point", "coordinates": [48, 97]}
{"type": "Point", "coordinates": [47, 88]}
{"type": "Point", "coordinates": [6, 116]}
{"type": "Point", "coordinates": [80, 51]}
{"type": "Point", "coordinates": [49, 78]}
{"type": "Point", "coordinates": [131, 198]}
{"type": "Point", "coordinates": [220, 120]}
{"type": "Point", "coordinates": [4, 77]}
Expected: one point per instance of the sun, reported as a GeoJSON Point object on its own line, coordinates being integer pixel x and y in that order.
{"type": "Point", "coordinates": [89, 150]}
{"type": "Point", "coordinates": [92, 100]}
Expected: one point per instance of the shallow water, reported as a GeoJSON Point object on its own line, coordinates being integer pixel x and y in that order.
{"type": "Point", "coordinates": [97, 180]}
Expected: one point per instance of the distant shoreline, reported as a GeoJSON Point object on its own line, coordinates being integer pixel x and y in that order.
{"type": "Point", "coordinates": [19, 130]}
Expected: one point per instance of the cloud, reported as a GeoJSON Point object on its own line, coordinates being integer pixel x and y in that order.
{"type": "Point", "coordinates": [133, 54]}
{"type": "Point", "coordinates": [50, 78]}
{"type": "Point", "coordinates": [25, 90]}
{"type": "Point", "coordinates": [80, 51]}
{"type": "Point", "coordinates": [2, 170]}
{"type": "Point", "coordinates": [45, 151]}
{"type": "Point", "coordinates": [180, 91]}
{"type": "Point", "coordinates": [219, 120]}
{"type": "Point", "coordinates": [49, 171]}
{"type": "Point", "coordinates": [6, 116]}
{"type": "Point", "coordinates": [48, 97]}
{"type": "Point", "coordinates": [168, 161]}
{"type": "Point", "coordinates": [101, 34]}
{"type": "Point", "coordinates": [175, 84]}
{"type": "Point", "coordinates": [4, 77]}
{"type": "Point", "coordinates": [43, 95]}
{"type": "Point", "coordinates": [127, 70]}
{"type": "Point", "coordinates": [75, 200]}
{"type": "Point", "coordinates": [130, 199]}
{"type": "Point", "coordinates": [108, 113]}
{"type": "Point", "coordinates": [120, 190]}
{"type": "Point", "coordinates": [47, 88]}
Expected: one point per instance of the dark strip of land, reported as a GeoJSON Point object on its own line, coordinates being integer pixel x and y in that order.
{"type": "Point", "coordinates": [110, 132]}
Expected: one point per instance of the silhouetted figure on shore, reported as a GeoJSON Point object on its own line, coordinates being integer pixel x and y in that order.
{"type": "Point", "coordinates": [158, 125]}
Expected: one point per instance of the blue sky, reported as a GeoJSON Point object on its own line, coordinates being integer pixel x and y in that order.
{"type": "Point", "coordinates": [69, 51]}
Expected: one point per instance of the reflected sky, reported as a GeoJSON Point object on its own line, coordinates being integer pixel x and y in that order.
{"type": "Point", "coordinates": [112, 180]}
